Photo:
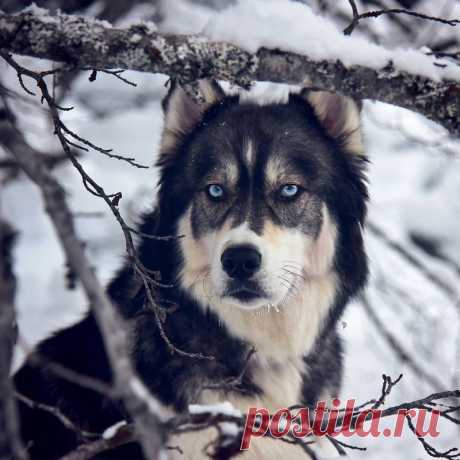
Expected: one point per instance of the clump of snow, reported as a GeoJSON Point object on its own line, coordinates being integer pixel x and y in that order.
{"type": "Point", "coordinates": [149, 26]}
{"type": "Point", "coordinates": [184, 16]}
{"type": "Point", "coordinates": [293, 26]}
{"type": "Point", "coordinates": [36, 10]}
{"type": "Point", "coordinates": [230, 429]}
{"type": "Point", "coordinates": [111, 431]}
{"type": "Point", "coordinates": [224, 408]}
{"type": "Point", "coordinates": [135, 38]}
{"type": "Point", "coordinates": [102, 23]}
{"type": "Point", "coordinates": [138, 13]}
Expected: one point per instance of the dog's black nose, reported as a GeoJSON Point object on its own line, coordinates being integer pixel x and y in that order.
{"type": "Point", "coordinates": [241, 262]}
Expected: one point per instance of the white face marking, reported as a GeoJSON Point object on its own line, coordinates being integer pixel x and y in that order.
{"type": "Point", "coordinates": [264, 93]}
{"type": "Point", "coordinates": [231, 172]}
{"type": "Point", "coordinates": [249, 153]}
{"type": "Point", "coordinates": [274, 170]}
{"type": "Point", "coordinates": [296, 276]}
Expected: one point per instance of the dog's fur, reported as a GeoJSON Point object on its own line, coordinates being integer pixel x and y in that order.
{"type": "Point", "coordinates": [311, 254]}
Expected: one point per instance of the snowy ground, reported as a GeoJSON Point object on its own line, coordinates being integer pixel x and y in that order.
{"type": "Point", "coordinates": [414, 184]}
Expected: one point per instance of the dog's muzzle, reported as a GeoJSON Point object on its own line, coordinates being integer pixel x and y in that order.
{"type": "Point", "coordinates": [241, 263]}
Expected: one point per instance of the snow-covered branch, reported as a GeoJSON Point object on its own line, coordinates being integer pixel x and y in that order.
{"type": "Point", "coordinates": [83, 43]}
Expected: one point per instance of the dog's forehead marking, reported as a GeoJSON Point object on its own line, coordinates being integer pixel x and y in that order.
{"type": "Point", "coordinates": [275, 169]}
{"type": "Point", "coordinates": [231, 171]}
{"type": "Point", "coordinates": [225, 170]}
{"type": "Point", "coordinates": [241, 234]}
{"type": "Point", "coordinates": [249, 152]}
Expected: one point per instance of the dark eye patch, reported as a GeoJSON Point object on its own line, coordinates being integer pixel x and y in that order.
{"type": "Point", "coordinates": [218, 156]}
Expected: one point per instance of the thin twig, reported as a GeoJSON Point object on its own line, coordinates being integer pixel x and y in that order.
{"type": "Point", "coordinates": [390, 11]}
{"type": "Point", "coordinates": [58, 414]}
{"type": "Point", "coordinates": [110, 199]}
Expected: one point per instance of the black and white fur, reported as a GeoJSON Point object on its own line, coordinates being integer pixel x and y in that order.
{"type": "Point", "coordinates": [301, 259]}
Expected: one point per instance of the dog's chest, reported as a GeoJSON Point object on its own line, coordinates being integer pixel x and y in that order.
{"type": "Point", "coordinates": [280, 384]}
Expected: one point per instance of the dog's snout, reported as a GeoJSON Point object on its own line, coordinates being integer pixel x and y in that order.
{"type": "Point", "coordinates": [241, 261]}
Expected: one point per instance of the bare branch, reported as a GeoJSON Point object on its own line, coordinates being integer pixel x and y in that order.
{"type": "Point", "coordinates": [391, 11]}
{"type": "Point", "coordinates": [124, 435]}
{"type": "Point", "coordinates": [406, 254]}
{"type": "Point", "coordinates": [127, 384]}
{"type": "Point", "coordinates": [396, 346]}
{"type": "Point", "coordinates": [11, 447]}
{"type": "Point", "coordinates": [195, 422]}
{"type": "Point", "coordinates": [58, 414]}
{"type": "Point", "coordinates": [232, 383]}
{"type": "Point", "coordinates": [112, 200]}
{"type": "Point", "coordinates": [65, 373]}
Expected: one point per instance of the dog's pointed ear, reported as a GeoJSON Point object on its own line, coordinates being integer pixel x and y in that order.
{"type": "Point", "coordinates": [340, 117]}
{"type": "Point", "coordinates": [182, 113]}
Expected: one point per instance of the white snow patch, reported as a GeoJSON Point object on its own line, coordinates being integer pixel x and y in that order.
{"type": "Point", "coordinates": [184, 17]}
{"type": "Point", "coordinates": [150, 26]}
{"type": "Point", "coordinates": [36, 10]}
{"type": "Point", "coordinates": [135, 38]}
{"type": "Point", "coordinates": [293, 26]}
{"type": "Point", "coordinates": [230, 429]}
{"type": "Point", "coordinates": [138, 13]}
{"type": "Point", "coordinates": [111, 431]}
{"type": "Point", "coordinates": [224, 408]}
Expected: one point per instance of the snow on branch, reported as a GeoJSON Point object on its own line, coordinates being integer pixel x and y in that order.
{"type": "Point", "coordinates": [349, 65]}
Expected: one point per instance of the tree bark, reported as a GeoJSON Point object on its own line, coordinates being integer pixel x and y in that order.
{"type": "Point", "coordinates": [11, 447]}
{"type": "Point", "coordinates": [127, 385]}
{"type": "Point", "coordinates": [92, 44]}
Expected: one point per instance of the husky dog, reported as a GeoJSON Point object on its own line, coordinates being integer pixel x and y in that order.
{"type": "Point", "coordinates": [269, 201]}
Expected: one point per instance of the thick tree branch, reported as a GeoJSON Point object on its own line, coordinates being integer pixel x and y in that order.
{"type": "Point", "coordinates": [91, 44]}
{"type": "Point", "coordinates": [11, 447]}
{"type": "Point", "coordinates": [195, 422]}
{"type": "Point", "coordinates": [126, 385]}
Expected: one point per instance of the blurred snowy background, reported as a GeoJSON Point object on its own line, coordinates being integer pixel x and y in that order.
{"type": "Point", "coordinates": [410, 323]}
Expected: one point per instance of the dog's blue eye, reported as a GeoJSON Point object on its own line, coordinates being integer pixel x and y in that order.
{"type": "Point", "coordinates": [289, 191]}
{"type": "Point", "coordinates": [215, 191]}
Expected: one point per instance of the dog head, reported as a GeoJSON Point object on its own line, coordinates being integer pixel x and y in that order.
{"type": "Point", "coordinates": [268, 197]}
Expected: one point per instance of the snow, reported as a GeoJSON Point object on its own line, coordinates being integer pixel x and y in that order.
{"type": "Point", "coordinates": [36, 10]}
{"type": "Point", "coordinates": [293, 26]}
{"type": "Point", "coordinates": [230, 429]}
{"type": "Point", "coordinates": [138, 14]}
{"type": "Point", "coordinates": [184, 17]}
{"type": "Point", "coordinates": [111, 431]}
{"type": "Point", "coordinates": [224, 408]}
{"type": "Point", "coordinates": [44, 15]}
{"type": "Point", "coordinates": [149, 26]}
{"type": "Point", "coordinates": [414, 186]}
